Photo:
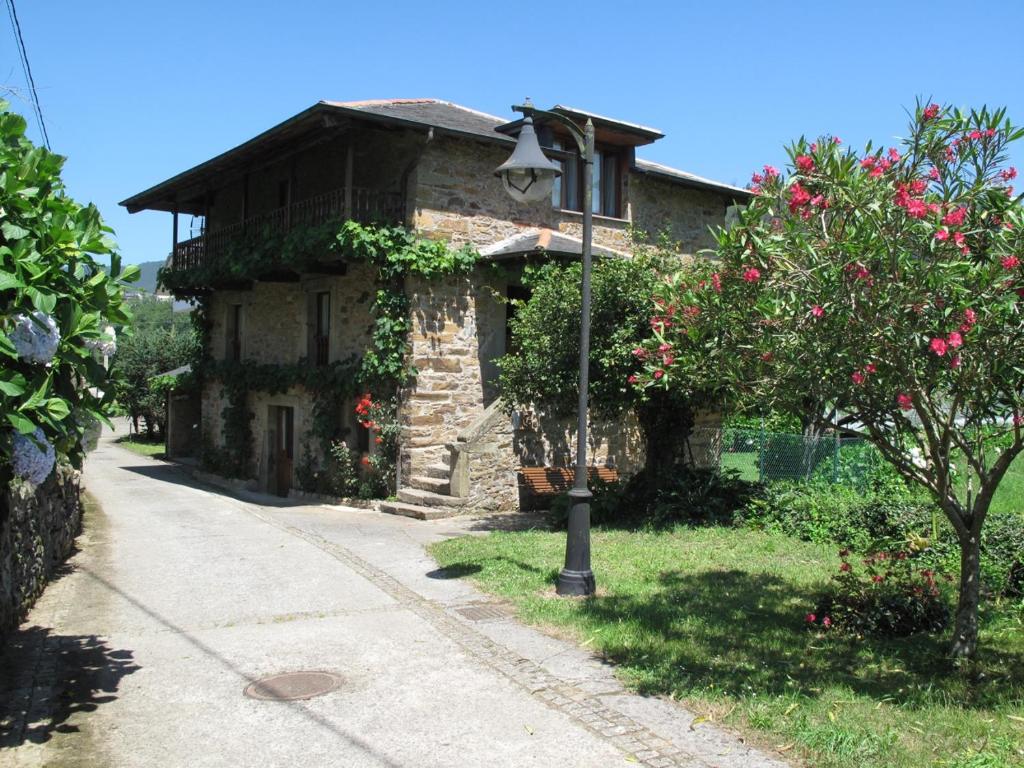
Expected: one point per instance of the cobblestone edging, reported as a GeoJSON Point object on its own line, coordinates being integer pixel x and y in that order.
{"type": "Point", "coordinates": [587, 709]}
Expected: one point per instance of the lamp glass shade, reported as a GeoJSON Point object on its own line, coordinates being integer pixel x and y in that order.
{"type": "Point", "coordinates": [528, 185]}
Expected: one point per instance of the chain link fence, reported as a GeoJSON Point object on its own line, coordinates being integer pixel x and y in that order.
{"type": "Point", "coordinates": [763, 456]}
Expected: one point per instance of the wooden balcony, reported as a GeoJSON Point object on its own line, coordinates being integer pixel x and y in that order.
{"type": "Point", "coordinates": [363, 205]}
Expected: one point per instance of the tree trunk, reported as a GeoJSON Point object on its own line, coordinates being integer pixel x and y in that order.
{"type": "Point", "coordinates": [965, 628]}
{"type": "Point", "coordinates": [666, 427]}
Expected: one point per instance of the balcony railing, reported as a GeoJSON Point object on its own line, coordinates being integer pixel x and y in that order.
{"type": "Point", "coordinates": [366, 205]}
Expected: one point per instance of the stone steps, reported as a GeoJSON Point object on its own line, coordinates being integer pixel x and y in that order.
{"type": "Point", "coordinates": [437, 470]}
{"type": "Point", "coordinates": [434, 484]}
{"type": "Point", "coordinates": [423, 498]}
{"type": "Point", "coordinates": [416, 511]}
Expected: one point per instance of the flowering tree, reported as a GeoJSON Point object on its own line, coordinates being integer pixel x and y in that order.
{"type": "Point", "coordinates": [541, 370]}
{"type": "Point", "coordinates": [57, 311]}
{"type": "Point", "coordinates": [884, 291]}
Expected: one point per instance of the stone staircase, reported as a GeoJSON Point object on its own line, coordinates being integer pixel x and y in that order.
{"type": "Point", "coordinates": [426, 496]}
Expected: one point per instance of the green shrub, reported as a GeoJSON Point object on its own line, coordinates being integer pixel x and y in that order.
{"type": "Point", "coordinates": [890, 595]}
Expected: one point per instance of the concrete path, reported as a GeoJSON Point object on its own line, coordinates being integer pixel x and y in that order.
{"type": "Point", "coordinates": [181, 597]}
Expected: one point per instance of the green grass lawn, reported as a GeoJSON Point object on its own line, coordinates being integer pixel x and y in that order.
{"type": "Point", "coordinates": [140, 445]}
{"type": "Point", "coordinates": [715, 617]}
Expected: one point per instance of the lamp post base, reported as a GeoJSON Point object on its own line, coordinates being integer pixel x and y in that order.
{"type": "Point", "coordinates": [578, 583]}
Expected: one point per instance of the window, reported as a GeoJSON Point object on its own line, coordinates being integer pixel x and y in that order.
{"type": "Point", "coordinates": [322, 329]}
{"type": "Point", "coordinates": [568, 190]}
{"type": "Point", "coordinates": [234, 333]}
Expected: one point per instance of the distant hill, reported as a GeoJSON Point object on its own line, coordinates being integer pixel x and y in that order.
{"type": "Point", "coordinates": [147, 276]}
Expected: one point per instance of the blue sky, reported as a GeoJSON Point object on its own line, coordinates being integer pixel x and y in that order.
{"type": "Point", "coordinates": [135, 92]}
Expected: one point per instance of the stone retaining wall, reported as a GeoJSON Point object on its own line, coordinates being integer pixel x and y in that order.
{"type": "Point", "coordinates": [37, 533]}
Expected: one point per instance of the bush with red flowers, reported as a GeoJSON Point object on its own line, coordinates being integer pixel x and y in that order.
{"type": "Point", "coordinates": [887, 594]}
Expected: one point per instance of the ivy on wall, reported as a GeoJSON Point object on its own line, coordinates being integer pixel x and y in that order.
{"type": "Point", "coordinates": [384, 366]}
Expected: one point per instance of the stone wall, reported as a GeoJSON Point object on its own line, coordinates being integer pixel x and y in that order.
{"type": "Point", "coordinates": [37, 533]}
{"type": "Point", "coordinates": [686, 214]}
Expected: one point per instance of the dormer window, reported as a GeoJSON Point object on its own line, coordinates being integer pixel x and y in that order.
{"type": "Point", "coordinates": [568, 190]}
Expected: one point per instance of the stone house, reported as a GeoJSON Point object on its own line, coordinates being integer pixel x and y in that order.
{"type": "Point", "coordinates": [429, 165]}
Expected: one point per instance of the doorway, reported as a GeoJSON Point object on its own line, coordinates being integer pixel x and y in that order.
{"type": "Point", "coordinates": [282, 449]}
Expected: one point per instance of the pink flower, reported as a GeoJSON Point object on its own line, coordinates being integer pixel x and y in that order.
{"type": "Point", "coordinates": [767, 357]}
{"type": "Point", "coordinates": [664, 348]}
{"type": "Point", "coordinates": [955, 218]}
{"type": "Point", "coordinates": [868, 162]}
{"type": "Point", "coordinates": [916, 209]}
{"type": "Point", "coordinates": [930, 112]}
{"type": "Point", "coordinates": [938, 346]}
{"type": "Point", "coordinates": [836, 140]}
{"type": "Point", "coordinates": [770, 171]}
{"type": "Point", "coordinates": [798, 196]}
{"type": "Point", "coordinates": [640, 352]}
{"type": "Point", "coordinates": [659, 373]}
{"type": "Point", "coordinates": [975, 134]}
{"type": "Point", "coordinates": [877, 171]}
{"type": "Point", "coordinates": [877, 578]}
{"type": "Point", "coordinates": [817, 311]}
{"type": "Point", "coordinates": [918, 186]}
{"type": "Point", "coordinates": [826, 622]}
{"type": "Point", "coordinates": [810, 618]}
{"type": "Point", "coordinates": [1018, 419]}
{"type": "Point", "coordinates": [904, 401]}
{"type": "Point", "coordinates": [1009, 173]}
{"type": "Point", "coordinates": [716, 282]}
{"type": "Point", "coordinates": [870, 368]}
{"type": "Point", "coordinates": [970, 316]}
{"type": "Point", "coordinates": [954, 340]}
{"type": "Point", "coordinates": [632, 379]}
{"type": "Point", "coordinates": [894, 156]}
{"type": "Point", "coordinates": [942, 235]}
{"type": "Point", "coordinates": [858, 377]}
{"type": "Point", "coordinates": [804, 163]}
{"type": "Point", "coordinates": [757, 178]}
{"type": "Point", "coordinates": [752, 275]}
{"type": "Point", "coordinates": [954, 361]}
{"type": "Point", "coordinates": [668, 360]}
{"type": "Point", "coordinates": [1009, 262]}
{"type": "Point", "coordinates": [934, 175]}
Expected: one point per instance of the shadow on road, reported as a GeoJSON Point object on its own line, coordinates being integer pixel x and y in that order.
{"type": "Point", "coordinates": [47, 678]}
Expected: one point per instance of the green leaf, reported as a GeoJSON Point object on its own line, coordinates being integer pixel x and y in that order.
{"type": "Point", "coordinates": [14, 386]}
{"type": "Point", "coordinates": [57, 408]}
{"type": "Point", "coordinates": [13, 231]}
{"type": "Point", "coordinates": [20, 423]}
{"type": "Point", "coordinates": [9, 281]}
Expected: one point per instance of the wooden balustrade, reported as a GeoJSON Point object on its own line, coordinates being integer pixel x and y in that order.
{"type": "Point", "coordinates": [367, 206]}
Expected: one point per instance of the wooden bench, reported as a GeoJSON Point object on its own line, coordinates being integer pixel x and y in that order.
{"type": "Point", "coordinates": [538, 485]}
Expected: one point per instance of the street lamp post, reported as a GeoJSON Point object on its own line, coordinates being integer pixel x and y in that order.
{"type": "Point", "coordinates": [529, 176]}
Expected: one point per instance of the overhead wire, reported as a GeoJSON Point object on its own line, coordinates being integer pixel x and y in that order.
{"type": "Point", "coordinates": [27, 70]}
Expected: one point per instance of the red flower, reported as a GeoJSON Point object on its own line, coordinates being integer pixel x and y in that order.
{"type": "Point", "coordinates": [934, 175]}
{"type": "Point", "coordinates": [826, 622]}
{"type": "Point", "coordinates": [640, 353]}
{"type": "Point", "coordinates": [918, 186]}
{"type": "Point", "coordinates": [752, 275]}
{"type": "Point", "coordinates": [858, 377]}
{"type": "Point", "coordinates": [810, 618]}
{"type": "Point", "coordinates": [716, 282]}
{"type": "Point", "coordinates": [845, 567]}
{"type": "Point", "coordinates": [804, 163]}
{"type": "Point", "coordinates": [930, 112]}
{"type": "Point", "coordinates": [664, 347]}
{"type": "Point", "coordinates": [378, 440]}
{"type": "Point", "coordinates": [870, 368]}
{"type": "Point", "coordinates": [904, 401]}
{"type": "Point", "coordinates": [1009, 262]}
{"type": "Point", "coordinates": [894, 156]}
{"type": "Point", "coordinates": [798, 197]}
{"type": "Point", "coordinates": [658, 374]}
{"type": "Point", "coordinates": [954, 339]}
{"type": "Point", "coordinates": [955, 218]}
{"type": "Point", "coordinates": [365, 461]}
{"type": "Point", "coordinates": [942, 235]}
{"type": "Point", "coordinates": [938, 346]}
{"type": "Point", "coordinates": [1009, 173]}
{"type": "Point", "coordinates": [817, 311]}
{"type": "Point", "coordinates": [954, 362]}
{"type": "Point", "coordinates": [667, 360]}
{"type": "Point", "coordinates": [757, 178]}
{"type": "Point", "coordinates": [770, 171]}
{"type": "Point", "coordinates": [767, 357]}
{"type": "Point", "coordinates": [868, 162]}
{"type": "Point", "coordinates": [878, 579]}
{"type": "Point", "coordinates": [632, 379]}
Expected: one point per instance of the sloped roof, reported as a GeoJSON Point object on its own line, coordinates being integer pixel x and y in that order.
{"type": "Point", "coordinates": [543, 241]}
{"type": "Point", "coordinates": [422, 114]}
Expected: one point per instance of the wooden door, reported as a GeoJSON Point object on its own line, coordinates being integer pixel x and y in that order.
{"type": "Point", "coordinates": [284, 451]}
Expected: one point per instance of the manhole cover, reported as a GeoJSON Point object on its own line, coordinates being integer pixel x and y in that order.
{"type": "Point", "coordinates": [483, 612]}
{"type": "Point", "coordinates": [293, 686]}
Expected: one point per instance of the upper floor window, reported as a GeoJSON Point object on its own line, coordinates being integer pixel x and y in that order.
{"type": "Point", "coordinates": [322, 328]}
{"type": "Point", "coordinates": [234, 333]}
{"type": "Point", "coordinates": [568, 190]}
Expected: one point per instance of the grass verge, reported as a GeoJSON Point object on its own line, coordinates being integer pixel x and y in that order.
{"type": "Point", "coordinates": [715, 617]}
{"type": "Point", "coordinates": [142, 446]}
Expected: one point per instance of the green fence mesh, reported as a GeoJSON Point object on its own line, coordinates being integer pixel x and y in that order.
{"type": "Point", "coordinates": [763, 456]}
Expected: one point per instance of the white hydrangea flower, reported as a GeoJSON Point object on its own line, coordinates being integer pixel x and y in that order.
{"type": "Point", "coordinates": [30, 461]}
{"type": "Point", "coordinates": [35, 337]}
{"type": "Point", "coordinates": [106, 344]}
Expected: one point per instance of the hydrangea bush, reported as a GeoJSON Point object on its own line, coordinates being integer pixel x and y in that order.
{"type": "Point", "coordinates": [881, 293]}
{"type": "Point", "coordinates": [58, 311]}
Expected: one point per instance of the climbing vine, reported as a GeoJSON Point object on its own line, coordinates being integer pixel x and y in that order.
{"type": "Point", "coordinates": [384, 366]}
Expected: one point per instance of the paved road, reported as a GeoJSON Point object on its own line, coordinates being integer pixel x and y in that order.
{"type": "Point", "coordinates": [181, 597]}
